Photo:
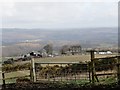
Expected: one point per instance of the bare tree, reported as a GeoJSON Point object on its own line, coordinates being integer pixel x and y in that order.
{"type": "Point", "coordinates": [48, 48]}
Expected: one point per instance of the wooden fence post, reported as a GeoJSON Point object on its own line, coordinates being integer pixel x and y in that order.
{"type": "Point", "coordinates": [3, 77]}
{"type": "Point", "coordinates": [32, 71]}
{"type": "Point", "coordinates": [93, 66]}
{"type": "Point", "coordinates": [31, 78]}
{"type": "Point", "coordinates": [89, 69]}
{"type": "Point", "coordinates": [118, 70]}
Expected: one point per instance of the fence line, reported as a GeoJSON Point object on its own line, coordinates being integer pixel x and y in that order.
{"type": "Point", "coordinates": [4, 79]}
{"type": "Point", "coordinates": [65, 73]}
{"type": "Point", "coordinates": [93, 67]}
{"type": "Point", "coordinates": [90, 71]}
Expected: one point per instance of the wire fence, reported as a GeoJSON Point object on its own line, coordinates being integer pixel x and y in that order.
{"type": "Point", "coordinates": [103, 69]}
{"type": "Point", "coordinates": [98, 69]}
{"type": "Point", "coordinates": [61, 71]}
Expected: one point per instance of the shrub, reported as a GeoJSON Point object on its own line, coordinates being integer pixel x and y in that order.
{"type": "Point", "coordinates": [9, 67]}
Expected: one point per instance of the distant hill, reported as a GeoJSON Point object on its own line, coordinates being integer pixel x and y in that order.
{"type": "Point", "coordinates": [37, 38]}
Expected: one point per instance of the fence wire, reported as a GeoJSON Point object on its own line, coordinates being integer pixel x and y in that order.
{"type": "Point", "coordinates": [106, 69]}
{"type": "Point", "coordinates": [61, 72]}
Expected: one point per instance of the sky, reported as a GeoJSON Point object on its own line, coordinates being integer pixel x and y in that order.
{"type": "Point", "coordinates": [56, 14]}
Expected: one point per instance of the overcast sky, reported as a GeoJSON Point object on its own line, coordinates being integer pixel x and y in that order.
{"type": "Point", "coordinates": [59, 14]}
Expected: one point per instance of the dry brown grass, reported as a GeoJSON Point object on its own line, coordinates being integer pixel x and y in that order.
{"type": "Point", "coordinates": [71, 58]}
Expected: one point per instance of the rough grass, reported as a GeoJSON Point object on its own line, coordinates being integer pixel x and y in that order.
{"type": "Point", "coordinates": [60, 86]}
{"type": "Point", "coordinates": [15, 74]}
{"type": "Point", "coordinates": [71, 58]}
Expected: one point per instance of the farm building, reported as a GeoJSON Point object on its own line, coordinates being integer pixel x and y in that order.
{"type": "Point", "coordinates": [73, 49]}
{"type": "Point", "coordinates": [103, 52]}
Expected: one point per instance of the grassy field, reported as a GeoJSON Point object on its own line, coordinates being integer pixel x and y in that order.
{"type": "Point", "coordinates": [71, 58]}
{"type": "Point", "coordinates": [15, 74]}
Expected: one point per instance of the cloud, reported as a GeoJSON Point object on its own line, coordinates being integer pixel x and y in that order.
{"type": "Point", "coordinates": [59, 0]}
{"type": "Point", "coordinates": [60, 15]}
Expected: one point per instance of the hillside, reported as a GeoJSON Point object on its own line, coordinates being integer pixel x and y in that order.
{"type": "Point", "coordinates": [16, 40]}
